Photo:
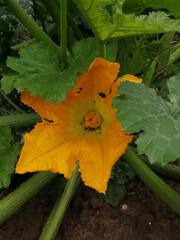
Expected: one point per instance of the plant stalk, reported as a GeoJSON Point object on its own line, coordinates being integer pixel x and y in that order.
{"type": "Point", "coordinates": [19, 120]}
{"type": "Point", "coordinates": [56, 216]}
{"type": "Point", "coordinates": [11, 102]}
{"type": "Point", "coordinates": [9, 204]}
{"type": "Point", "coordinates": [175, 54]}
{"type": "Point", "coordinates": [153, 182]}
{"type": "Point", "coordinates": [74, 26]}
{"type": "Point", "coordinates": [50, 30]}
{"type": "Point", "coordinates": [53, 9]}
{"type": "Point", "coordinates": [63, 24]}
{"type": "Point", "coordinates": [102, 49]}
{"type": "Point", "coordinates": [27, 21]}
{"type": "Point", "coordinates": [168, 170]}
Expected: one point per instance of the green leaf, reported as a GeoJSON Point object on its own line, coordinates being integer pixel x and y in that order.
{"type": "Point", "coordinates": [144, 54]}
{"type": "Point", "coordinates": [122, 173]}
{"type": "Point", "coordinates": [158, 122]}
{"type": "Point", "coordinates": [173, 69]}
{"type": "Point", "coordinates": [174, 88]}
{"type": "Point", "coordinates": [8, 156]}
{"type": "Point", "coordinates": [8, 82]}
{"type": "Point", "coordinates": [160, 61]}
{"type": "Point", "coordinates": [107, 20]}
{"type": "Point", "coordinates": [38, 69]}
{"type": "Point", "coordinates": [139, 6]}
{"type": "Point", "coordinates": [115, 194]}
{"type": "Point", "coordinates": [40, 72]}
{"type": "Point", "coordinates": [164, 51]}
{"type": "Point", "coordinates": [134, 53]}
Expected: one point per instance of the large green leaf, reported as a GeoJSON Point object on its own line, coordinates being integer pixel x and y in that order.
{"type": "Point", "coordinates": [107, 20]}
{"type": "Point", "coordinates": [138, 6]}
{"type": "Point", "coordinates": [38, 69]}
{"type": "Point", "coordinates": [141, 110]}
{"type": "Point", "coordinates": [8, 156]}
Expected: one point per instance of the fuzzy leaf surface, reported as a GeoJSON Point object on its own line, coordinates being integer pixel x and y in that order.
{"type": "Point", "coordinates": [38, 69]}
{"type": "Point", "coordinates": [141, 110]}
{"type": "Point", "coordinates": [8, 156]}
{"type": "Point", "coordinates": [107, 20]}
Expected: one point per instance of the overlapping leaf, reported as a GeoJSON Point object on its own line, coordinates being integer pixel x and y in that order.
{"type": "Point", "coordinates": [134, 53]}
{"type": "Point", "coordinates": [38, 69]}
{"type": "Point", "coordinates": [107, 20]}
{"type": "Point", "coordinates": [139, 6]}
{"type": "Point", "coordinates": [8, 156]}
{"type": "Point", "coordinates": [140, 109]}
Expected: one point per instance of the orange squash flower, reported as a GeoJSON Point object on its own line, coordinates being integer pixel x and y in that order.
{"type": "Point", "coordinates": [83, 127]}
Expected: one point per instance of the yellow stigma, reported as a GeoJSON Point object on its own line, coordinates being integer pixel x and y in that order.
{"type": "Point", "coordinates": [92, 120]}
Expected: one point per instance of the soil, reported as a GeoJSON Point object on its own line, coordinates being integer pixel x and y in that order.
{"type": "Point", "coordinates": [141, 216]}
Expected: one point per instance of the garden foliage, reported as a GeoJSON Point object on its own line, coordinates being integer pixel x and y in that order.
{"type": "Point", "coordinates": [138, 34]}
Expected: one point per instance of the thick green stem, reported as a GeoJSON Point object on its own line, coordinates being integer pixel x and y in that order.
{"type": "Point", "coordinates": [23, 193]}
{"type": "Point", "coordinates": [11, 102]}
{"type": "Point", "coordinates": [102, 50]}
{"type": "Point", "coordinates": [56, 216]}
{"type": "Point", "coordinates": [53, 7]}
{"type": "Point", "coordinates": [27, 21]}
{"type": "Point", "coordinates": [19, 120]}
{"type": "Point", "coordinates": [63, 24]}
{"type": "Point", "coordinates": [168, 170]}
{"type": "Point", "coordinates": [50, 30]}
{"type": "Point", "coordinates": [175, 54]}
{"type": "Point", "coordinates": [153, 182]}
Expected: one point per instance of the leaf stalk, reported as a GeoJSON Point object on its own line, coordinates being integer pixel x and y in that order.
{"type": "Point", "coordinates": [56, 216]}
{"type": "Point", "coordinates": [11, 102]}
{"type": "Point", "coordinates": [28, 22]}
{"type": "Point", "coordinates": [63, 24]}
{"type": "Point", "coordinates": [19, 120]}
{"type": "Point", "coordinates": [153, 182]}
{"type": "Point", "coordinates": [9, 204]}
{"type": "Point", "coordinates": [102, 49]}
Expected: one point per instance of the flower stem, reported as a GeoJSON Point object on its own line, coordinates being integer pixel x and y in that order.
{"type": "Point", "coordinates": [151, 180]}
{"type": "Point", "coordinates": [23, 193]}
{"type": "Point", "coordinates": [56, 216]}
{"type": "Point", "coordinates": [11, 102]}
{"type": "Point", "coordinates": [63, 24]}
{"type": "Point", "coordinates": [27, 21]}
{"type": "Point", "coordinates": [102, 49]}
{"type": "Point", "coordinates": [19, 120]}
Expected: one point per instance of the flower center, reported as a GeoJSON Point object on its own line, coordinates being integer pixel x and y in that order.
{"type": "Point", "coordinates": [92, 120]}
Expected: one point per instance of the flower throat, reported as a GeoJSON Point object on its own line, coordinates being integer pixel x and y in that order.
{"type": "Point", "coordinates": [92, 120]}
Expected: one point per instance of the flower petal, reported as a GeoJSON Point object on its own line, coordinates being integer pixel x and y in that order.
{"type": "Point", "coordinates": [98, 157]}
{"type": "Point", "coordinates": [48, 147]}
{"type": "Point", "coordinates": [47, 110]}
{"type": "Point", "coordinates": [99, 78]}
{"type": "Point", "coordinates": [131, 78]}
